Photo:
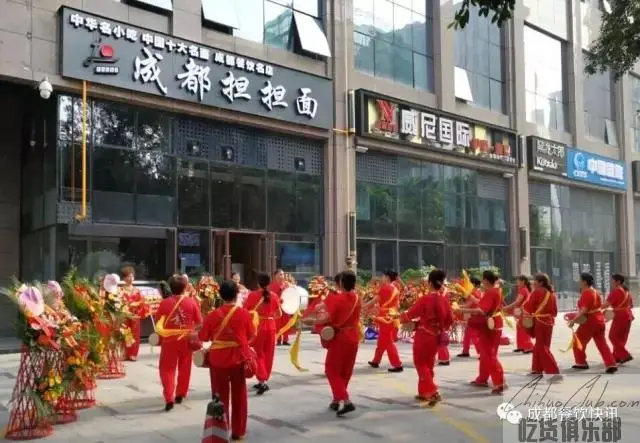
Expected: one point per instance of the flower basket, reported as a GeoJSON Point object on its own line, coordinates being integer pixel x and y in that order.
{"type": "Point", "coordinates": [114, 362]}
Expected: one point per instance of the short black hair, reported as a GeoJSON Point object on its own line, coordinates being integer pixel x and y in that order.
{"type": "Point", "coordinates": [177, 284]}
{"type": "Point", "coordinates": [618, 278]}
{"type": "Point", "coordinates": [393, 275]}
{"type": "Point", "coordinates": [475, 281]}
{"type": "Point", "coordinates": [587, 278]}
{"type": "Point", "coordinates": [437, 278]}
{"type": "Point", "coordinates": [228, 291]}
{"type": "Point", "coordinates": [348, 280]}
{"type": "Point", "coordinates": [264, 280]}
{"type": "Point", "coordinates": [338, 278]}
{"type": "Point", "coordinates": [490, 276]}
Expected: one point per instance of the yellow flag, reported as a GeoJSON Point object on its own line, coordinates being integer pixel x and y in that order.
{"type": "Point", "coordinates": [294, 353]}
{"type": "Point", "coordinates": [290, 324]}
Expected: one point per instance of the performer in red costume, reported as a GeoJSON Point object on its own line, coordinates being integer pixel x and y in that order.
{"type": "Point", "coordinates": [471, 333]}
{"type": "Point", "coordinates": [230, 329]}
{"type": "Point", "coordinates": [264, 306]}
{"type": "Point", "coordinates": [621, 303]}
{"type": "Point", "coordinates": [341, 312]}
{"type": "Point", "coordinates": [488, 320]}
{"type": "Point", "coordinates": [444, 358]}
{"type": "Point", "coordinates": [388, 302]}
{"type": "Point", "coordinates": [542, 307]}
{"type": "Point", "coordinates": [590, 307]}
{"type": "Point", "coordinates": [318, 290]}
{"type": "Point", "coordinates": [277, 286]}
{"type": "Point", "coordinates": [434, 319]}
{"type": "Point", "coordinates": [523, 341]}
{"type": "Point", "coordinates": [179, 316]}
{"type": "Point", "coordinates": [132, 298]}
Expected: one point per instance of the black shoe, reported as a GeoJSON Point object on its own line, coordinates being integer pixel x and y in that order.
{"type": "Point", "coordinates": [286, 343]}
{"type": "Point", "coordinates": [398, 369]}
{"type": "Point", "coordinates": [349, 407]}
{"type": "Point", "coordinates": [168, 406]}
{"type": "Point", "coordinates": [334, 406]}
{"type": "Point", "coordinates": [611, 370]}
{"type": "Point", "coordinates": [420, 398]}
{"type": "Point", "coordinates": [580, 367]}
{"type": "Point", "coordinates": [262, 389]}
{"type": "Point", "coordinates": [236, 438]}
{"type": "Point", "coordinates": [444, 363]}
{"type": "Point", "coordinates": [464, 354]}
{"type": "Point", "coordinates": [179, 399]}
{"type": "Point", "coordinates": [257, 386]}
{"type": "Point", "coordinates": [626, 360]}
{"type": "Point", "coordinates": [374, 365]}
{"type": "Point", "coordinates": [517, 350]}
{"type": "Point", "coordinates": [528, 351]}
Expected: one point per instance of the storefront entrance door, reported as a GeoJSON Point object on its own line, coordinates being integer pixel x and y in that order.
{"type": "Point", "coordinates": [245, 252]}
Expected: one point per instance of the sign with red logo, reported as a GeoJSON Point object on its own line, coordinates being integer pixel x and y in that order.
{"type": "Point", "coordinates": [102, 57]}
{"type": "Point", "coordinates": [432, 129]}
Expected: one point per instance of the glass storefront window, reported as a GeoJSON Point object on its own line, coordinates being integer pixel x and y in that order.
{"type": "Point", "coordinates": [113, 185]}
{"type": "Point", "coordinates": [193, 251]}
{"type": "Point", "coordinates": [155, 188]}
{"type": "Point", "coordinates": [193, 193]}
{"type": "Point", "coordinates": [253, 199]}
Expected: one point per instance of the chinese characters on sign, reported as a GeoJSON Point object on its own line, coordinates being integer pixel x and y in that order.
{"type": "Point", "coordinates": [390, 120]}
{"type": "Point", "coordinates": [164, 65]}
{"type": "Point", "coordinates": [570, 430]}
{"type": "Point", "coordinates": [547, 156]}
{"type": "Point", "coordinates": [595, 169]}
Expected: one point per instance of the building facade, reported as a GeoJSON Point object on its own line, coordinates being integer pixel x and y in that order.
{"type": "Point", "coordinates": [297, 133]}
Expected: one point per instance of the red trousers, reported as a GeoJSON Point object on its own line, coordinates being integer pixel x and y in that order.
{"type": "Point", "coordinates": [175, 355]}
{"type": "Point", "coordinates": [618, 336]}
{"type": "Point", "coordinates": [425, 347]}
{"type": "Point", "coordinates": [284, 338]}
{"type": "Point", "coordinates": [542, 360]}
{"type": "Point", "coordinates": [230, 382]}
{"type": "Point", "coordinates": [443, 354]}
{"type": "Point", "coordinates": [131, 352]}
{"type": "Point", "coordinates": [523, 341]}
{"type": "Point", "coordinates": [490, 366]}
{"type": "Point", "coordinates": [386, 343]}
{"type": "Point", "coordinates": [470, 336]}
{"type": "Point", "coordinates": [593, 330]}
{"type": "Point", "coordinates": [338, 366]}
{"type": "Point", "coordinates": [265, 346]}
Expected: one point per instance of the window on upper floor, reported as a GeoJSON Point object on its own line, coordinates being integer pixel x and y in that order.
{"type": "Point", "coordinates": [293, 25]}
{"type": "Point", "coordinates": [393, 39]}
{"type": "Point", "coordinates": [545, 91]}
{"type": "Point", "coordinates": [599, 108]}
{"type": "Point", "coordinates": [550, 15]}
{"type": "Point", "coordinates": [479, 53]}
{"type": "Point", "coordinates": [635, 119]}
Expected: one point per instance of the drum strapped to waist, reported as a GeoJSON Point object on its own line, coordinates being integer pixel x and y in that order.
{"type": "Point", "coordinates": [517, 311]}
{"type": "Point", "coordinates": [327, 333]}
{"type": "Point", "coordinates": [527, 322]}
{"type": "Point", "coordinates": [579, 320]}
{"type": "Point", "coordinates": [491, 323]}
{"type": "Point", "coordinates": [609, 314]}
{"type": "Point", "coordinates": [200, 358]}
{"type": "Point", "coordinates": [154, 339]}
{"type": "Point", "coordinates": [410, 327]}
{"type": "Point", "coordinates": [294, 299]}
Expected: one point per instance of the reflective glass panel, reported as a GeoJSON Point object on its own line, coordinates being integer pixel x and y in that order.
{"type": "Point", "coordinates": [193, 193]}
{"type": "Point", "coordinates": [155, 188]}
{"type": "Point", "coordinates": [224, 197]}
{"type": "Point", "coordinates": [113, 184]}
{"type": "Point", "coordinates": [282, 201]}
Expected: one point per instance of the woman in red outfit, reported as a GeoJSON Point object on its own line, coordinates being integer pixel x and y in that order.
{"type": "Point", "coordinates": [542, 308]}
{"type": "Point", "coordinates": [434, 318]}
{"type": "Point", "coordinates": [471, 333]}
{"type": "Point", "coordinates": [229, 329]}
{"type": "Point", "coordinates": [489, 311]}
{"type": "Point", "coordinates": [523, 341]}
{"type": "Point", "coordinates": [277, 286]}
{"type": "Point", "coordinates": [621, 304]}
{"type": "Point", "coordinates": [341, 312]}
{"type": "Point", "coordinates": [179, 315]}
{"type": "Point", "coordinates": [264, 307]}
{"type": "Point", "coordinates": [133, 299]}
{"type": "Point", "coordinates": [590, 307]}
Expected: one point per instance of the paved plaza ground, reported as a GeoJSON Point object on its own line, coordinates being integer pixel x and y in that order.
{"type": "Point", "coordinates": [295, 410]}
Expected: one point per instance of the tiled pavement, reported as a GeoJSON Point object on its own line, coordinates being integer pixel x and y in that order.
{"type": "Point", "coordinates": [295, 408]}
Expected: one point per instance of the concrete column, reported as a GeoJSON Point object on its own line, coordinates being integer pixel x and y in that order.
{"type": "Point", "coordinates": [626, 209]}
{"type": "Point", "coordinates": [444, 55]}
{"type": "Point", "coordinates": [575, 70]}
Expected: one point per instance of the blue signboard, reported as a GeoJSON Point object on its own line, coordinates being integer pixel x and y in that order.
{"type": "Point", "coordinates": [595, 169]}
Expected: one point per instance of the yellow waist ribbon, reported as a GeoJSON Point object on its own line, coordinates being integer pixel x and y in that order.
{"type": "Point", "coordinates": [255, 319]}
{"type": "Point", "coordinates": [222, 344]}
{"type": "Point", "coordinates": [294, 353]}
{"type": "Point", "coordinates": [575, 341]}
{"type": "Point", "coordinates": [290, 324]}
{"type": "Point", "coordinates": [164, 333]}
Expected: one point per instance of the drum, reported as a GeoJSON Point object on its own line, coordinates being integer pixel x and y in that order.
{"type": "Point", "coordinates": [609, 314]}
{"type": "Point", "coordinates": [527, 322]}
{"type": "Point", "coordinates": [491, 323]}
{"type": "Point", "coordinates": [200, 358]}
{"type": "Point", "coordinates": [327, 333]}
{"type": "Point", "coordinates": [572, 316]}
{"type": "Point", "coordinates": [409, 327]}
{"type": "Point", "coordinates": [466, 317]}
{"type": "Point", "coordinates": [154, 339]}
{"type": "Point", "coordinates": [517, 312]}
{"type": "Point", "coordinates": [290, 300]}
{"type": "Point", "coordinates": [304, 298]}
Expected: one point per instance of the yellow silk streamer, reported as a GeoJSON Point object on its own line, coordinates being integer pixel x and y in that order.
{"type": "Point", "coordinates": [507, 321]}
{"type": "Point", "coordinates": [222, 344]}
{"type": "Point", "coordinates": [574, 341]}
{"type": "Point", "coordinates": [294, 353]}
{"type": "Point", "coordinates": [255, 319]}
{"type": "Point", "coordinates": [290, 324]}
{"type": "Point", "coordinates": [162, 332]}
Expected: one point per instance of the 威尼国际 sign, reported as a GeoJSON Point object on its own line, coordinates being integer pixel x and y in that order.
{"type": "Point", "coordinates": [109, 52]}
{"type": "Point", "coordinates": [595, 169]}
{"type": "Point", "coordinates": [382, 117]}
{"type": "Point", "coordinates": [547, 156]}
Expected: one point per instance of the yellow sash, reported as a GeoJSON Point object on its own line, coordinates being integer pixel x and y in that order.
{"type": "Point", "coordinates": [388, 303]}
{"type": "Point", "coordinates": [255, 317]}
{"type": "Point", "coordinates": [537, 313]}
{"type": "Point", "coordinates": [162, 332]}
{"type": "Point", "coordinates": [224, 344]}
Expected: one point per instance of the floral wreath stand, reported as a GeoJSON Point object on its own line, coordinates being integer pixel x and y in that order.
{"type": "Point", "coordinates": [84, 397]}
{"type": "Point", "coordinates": [26, 422]}
{"type": "Point", "coordinates": [64, 410]}
{"type": "Point", "coordinates": [114, 362]}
